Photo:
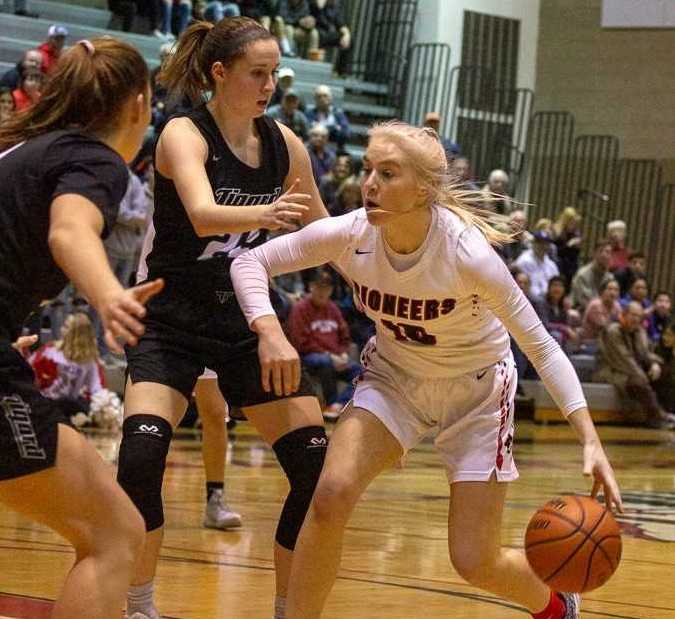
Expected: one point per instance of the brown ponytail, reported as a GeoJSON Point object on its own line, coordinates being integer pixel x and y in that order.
{"type": "Point", "coordinates": [188, 71]}
{"type": "Point", "coordinates": [86, 90]}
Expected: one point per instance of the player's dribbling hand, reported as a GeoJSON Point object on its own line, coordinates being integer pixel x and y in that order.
{"type": "Point", "coordinates": [120, 314]}
{"type": "Point", "coordinates": [279, 364]}
{"type": "Point", "coordinates": [597, 465]}
{"type": "Point", "coordinates": [287, 212]}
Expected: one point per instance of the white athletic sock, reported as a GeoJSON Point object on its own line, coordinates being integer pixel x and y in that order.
{"type": "Point", "coordinates": [279, 607]}
{"type": "Point", "coordinates": [139, 600]}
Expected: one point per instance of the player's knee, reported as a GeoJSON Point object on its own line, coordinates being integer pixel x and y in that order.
{"type": "Point", "coordinates": [142, 460]}
{"type": "Point", "coordinates": [473, 567]}
{"type": "Point", "coordinates": [334, 500]}
{"type": "Point", "coordinates": [301, 454]}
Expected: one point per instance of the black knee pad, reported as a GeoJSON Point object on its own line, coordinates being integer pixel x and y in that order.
{"type": "Point", "coordinates": [142, 459]}
{"type": "Point", "coordinates": [301, 454]}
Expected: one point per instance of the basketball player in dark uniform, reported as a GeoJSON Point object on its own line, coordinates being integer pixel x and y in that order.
{"type": "Point", "coordinates": [63, 175]}
{"type": "Point", "coordinates": [225, 174]}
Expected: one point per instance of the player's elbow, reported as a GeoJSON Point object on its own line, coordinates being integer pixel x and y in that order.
{"type": "Point", "coordinates": [201, 223]}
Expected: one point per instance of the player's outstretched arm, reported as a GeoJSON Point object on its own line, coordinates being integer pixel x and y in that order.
{"type": "Point", "coordinates": [181, 155]}
{"type": "Point", "coordinates": [482, 272]}
{"type": "Point", "coordinates": [74, 240]}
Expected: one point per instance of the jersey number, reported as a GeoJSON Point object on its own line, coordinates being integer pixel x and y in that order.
{"type": "Point", "coordinates": [406, 333]}
{"type": "Point", "coordinates": [231, 245]}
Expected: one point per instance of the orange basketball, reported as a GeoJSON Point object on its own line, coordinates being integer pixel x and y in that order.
{"type": "Point", "coordinates": [573, 544]}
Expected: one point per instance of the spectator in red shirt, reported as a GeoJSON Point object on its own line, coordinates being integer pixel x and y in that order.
{"type": "Point", "coordinates": [29, 90]}
{"type": "Point", "coordinates": [616, 233]}
{"type": "Point", "coordinates": [321, 336]}
{"type": "Point", "coordinates": [51, 49]}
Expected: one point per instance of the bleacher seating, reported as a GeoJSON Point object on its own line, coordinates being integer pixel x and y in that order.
{"type": "Point", "coordinates": [17, 34]}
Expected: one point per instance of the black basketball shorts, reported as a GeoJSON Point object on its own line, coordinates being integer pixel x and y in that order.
{"type": "Point", "coordinates": [28, 420]}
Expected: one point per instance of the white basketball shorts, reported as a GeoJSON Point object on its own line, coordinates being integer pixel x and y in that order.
{"type": "Point", "coordinates": [472, 415]}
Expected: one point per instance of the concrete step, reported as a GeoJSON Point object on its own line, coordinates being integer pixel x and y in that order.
{"type": "Point", "coordinates": [369, 109]}
{"type": "Point", "coordinates": [63, 12]}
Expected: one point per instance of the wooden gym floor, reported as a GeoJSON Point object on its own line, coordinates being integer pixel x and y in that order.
{"type": "Point", "coordinates": [395, 562]}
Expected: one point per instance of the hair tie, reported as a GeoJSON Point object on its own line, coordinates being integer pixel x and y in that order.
{"type": "Point", "coordinates": [88, 45]}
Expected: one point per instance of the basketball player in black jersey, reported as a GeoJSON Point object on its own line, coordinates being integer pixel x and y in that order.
{"type": "Point", "coordinates": [225, 174]}
{"type": "Point", "coordinates": [63, 175]}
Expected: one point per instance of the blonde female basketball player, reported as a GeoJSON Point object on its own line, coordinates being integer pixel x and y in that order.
{"type": "Point", "coordinates": [423, 269]}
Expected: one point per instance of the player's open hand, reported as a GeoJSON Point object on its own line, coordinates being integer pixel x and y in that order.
{"type": "Point", "coordinates": [597, 465]}
{"type": "Point", "coordinates": [279, 364]}
{"type": "Point", "coordinates": [122, 311]}
{"type": "Point", "coordinates": [287, 212]}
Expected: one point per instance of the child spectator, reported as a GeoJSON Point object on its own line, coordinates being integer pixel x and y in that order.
{"type": "Point", "coordinates": [324, 113]}
{"type": "Point", "coordinates": [567, 239]}
{"type": "Point", "coordinates": [7, 105]}
{"type": "Point", "coordinates": [639, 292]}
{"type": "Point", "coordinates": [601, 311]}
{"type": "Point", "coordinates": [68, 370]}
{"type": "Point", "coordinates": [636, 267]}
{"type": "Point", "coordinates": [661, 315]}
{"type": "Point", "coordinates": [553, 311]}
{"type": "Point", "coordinates": [29, 90]}
{"type": "Point", "coordinates": [330, 183]}
{"type": "Point", "coordinates": [321, 336]}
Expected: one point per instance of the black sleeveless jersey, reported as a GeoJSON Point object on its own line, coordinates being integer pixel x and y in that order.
{"type": "Point", "coordinates": [176, 248]}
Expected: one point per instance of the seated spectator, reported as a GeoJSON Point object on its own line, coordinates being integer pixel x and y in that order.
{"type": "Point", "coordinates": [616, 233]}
{"type": "Point", "coordinates": [285, 82]}
{"type": "Point", "coordinates": [29, 89]}
{"type": "Point", "coordinates": [661, 316]}
{"type": "Point", "coordinates": [567, 239]}
{"type": "Point", "coordinates": [601, 311]}
{"type": "Point", "coordinates": [321, 154]}
{"type": "Point", "coordinates": [51, 49]}
{"type": "Point", "coordinates": [545, 225]}
{"type": "Point", "coordinates": [460, 170]}
{"type": "Point", "coordinates": [348, 197]}
{"type": "Point", "coordinates": [433, 121]}
{"type": "Point", "coordinates": [330, 183]}
{"type": "Point", "coordinates": [288, 113]}
{"type": "Point", "coordinates": [498, 183]}
{"type": "Point", "coordinates": [7, 105]}
{"type": "Point", "coordinates": [333, 31]}
{"type": "Point", "coordinates": [639, 292]}
{"type": "Point", "coordinates": [124, 11]}
{"type": "Point", "coordinates": [664, 386]}
{"type": "Point", "coordinates": [586, 283]}
{"type": "Point", "coordinates": [553, 311]}
{"type": "Point", "coordinates": [32, 59]}
{"type": "Point", "coordinates": [321, 336]}
{"type": "Point", "coordinates": [300, 27]}
{"type": "Point", "coordinates": [522, 239]}
{"type": "Point", "coordinates": [184, 11]}
{"type": "Point", "coordinates": [324, 113]}
{"type": "Point", "coordinates": [272, 19]}
{"type": "Point", "coordinates": [216, 10]}
{"type": "Point", "coordinates": [624, 360]}
{"type": "Point", "coordinates": [536, 263]}
{"type": "Point", "coordinates": [68, 370]}
{"type": "Point", "coordinates": [636, 267]}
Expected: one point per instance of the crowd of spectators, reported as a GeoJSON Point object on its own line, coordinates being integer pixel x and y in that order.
{"type": "Point", "coordinates": [590, 308]}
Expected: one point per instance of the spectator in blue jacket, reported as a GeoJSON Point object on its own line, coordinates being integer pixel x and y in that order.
{"type": "Point", "coordinates": [324, 113]}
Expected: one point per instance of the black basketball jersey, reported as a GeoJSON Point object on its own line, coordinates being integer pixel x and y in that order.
{"type": "Point", "coordinates": [32, 175]}
{"type": "Point", "coordinates": [176, 246]}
